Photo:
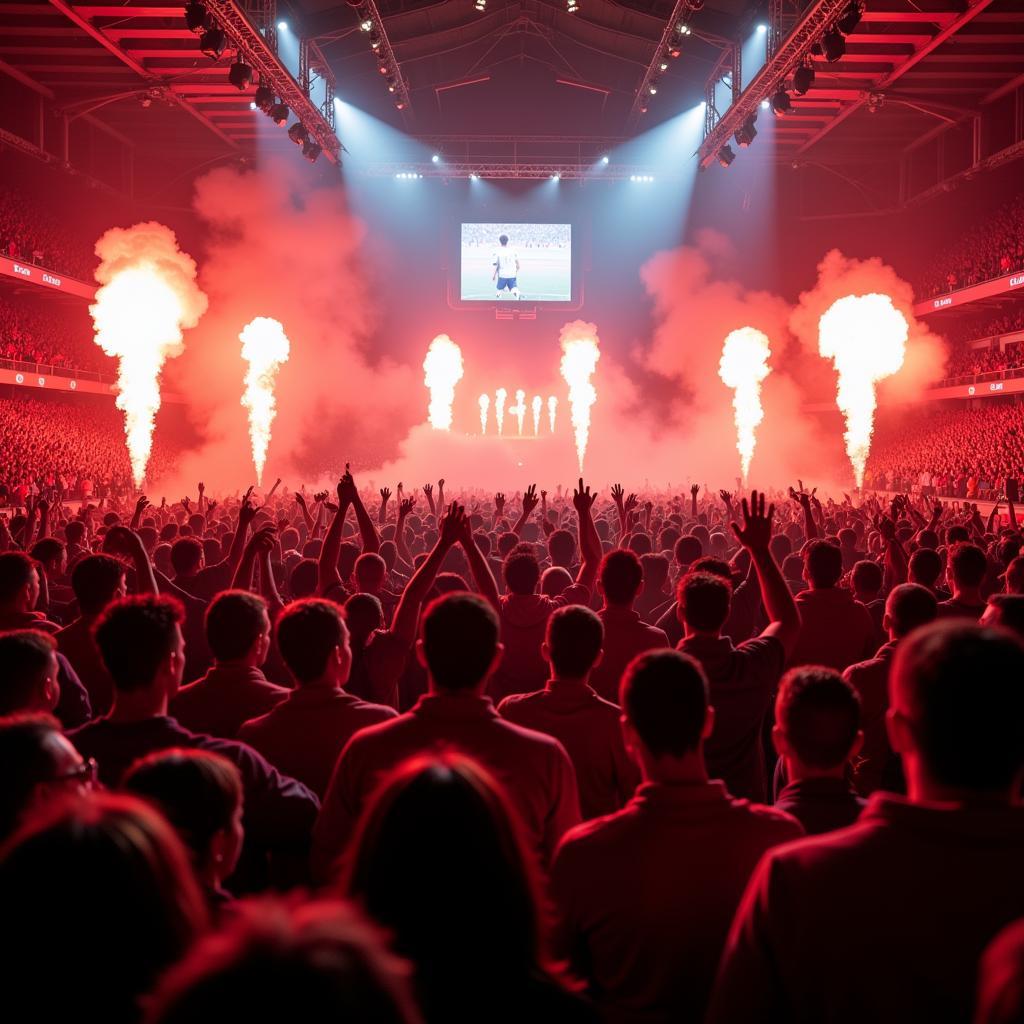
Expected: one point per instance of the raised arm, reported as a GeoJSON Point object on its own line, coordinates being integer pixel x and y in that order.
{"type": "Point", "coordinates": [530, 502]}
{"type": "Point", "coordinates": [122, 541]}
{"type": "Point", "coordinates": [265, 541]}
{"type": "Point", "coordinates": [896, 560]}
{"type": "Point", "coordinates": [327, 575]}
{"type": "Point", "coordinates": [246, 514]}
{"type": "Point", "coordinates": [694, 491]}
{"type": "Point", "coordinates": [405, 507]}
{"type": "Point", "coordinates": [300, 500]}
{"type": "Point", "coordinates": [590, 542]}
{"type": "Point", "coordinates": [382, 515]}
{"type": "Point", "coordinates": [367, 531]}
{"type": "Point", "coordinates": [140, 506]}
{"type": "Point", "coordinates": [478, 565]}
{"type": "Point", "coordinates": [755, 535]}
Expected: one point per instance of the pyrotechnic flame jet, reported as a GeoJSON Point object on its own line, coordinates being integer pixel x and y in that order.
{"type": "Point", "coordinates": [265, 348]}
{"type": "Point", "coordinates": [743, 367]}
{"type": "Point", "coordinates": [485, 404]}
{"type": "Point", "coordinates": [519, 409]}
{"type": "Point", "coordinates": [442, 370]}
{"type": "Point", "coordinates": [537, 404]}
{"type": "Point", "coordinates": [552, 411]}
{"type": "Point", "coordinates": [580, 354]}
{"type": "Point", "coordinates": [499, 409]}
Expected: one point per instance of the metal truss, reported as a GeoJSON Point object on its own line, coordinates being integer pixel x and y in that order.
{"type": "Point", "coordinates": [680, 13]}
{"type": "Point", "coordinates": [819, 16]}
{"type": "Point", "coordinates": [507, 170]}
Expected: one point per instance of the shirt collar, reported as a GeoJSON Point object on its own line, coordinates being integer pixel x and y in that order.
{"type": "Point", "coordinates": [454, 705]}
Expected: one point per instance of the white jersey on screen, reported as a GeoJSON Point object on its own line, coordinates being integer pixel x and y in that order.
{"type": "Point", "coordinates": [506, 258]}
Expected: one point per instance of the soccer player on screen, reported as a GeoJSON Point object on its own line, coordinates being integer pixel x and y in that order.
{"type": "Point", "coordinates": [506, 268]}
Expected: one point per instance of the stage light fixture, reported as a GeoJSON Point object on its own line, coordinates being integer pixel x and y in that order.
{"type": "Point", "coordinates": [481, 5]}
{"type": "Point", "coordinates": [653, 88]}
{"type": "Point", "coordinates": [240, 75]}
{"type": "Point", "coordinates": [384, 67]}
{"type": "Point", "coordinates": [474, 177]}
{"type": "Point", "coordinates": [282, 26]}
{"type": "Point", "coordinates": [278, 113]}
{"type": "Point", "coordinates": [436, 158]}
{"type": "Point", "coordinates": [311, 150]}
{"type": "Point", "coordinates": [726, 156]}
{"type": "Point", "coordinates": [298, 134]}
{"type": "Point", "coordinates": [762, 29]}
{"type": "Point", "coordinates": [366, 25]}
{"type": "Point", "coordinates": [375, 40]}
{"type": "Point", "coordinates": [604, 159]}
{"type": "Point", "coordinates": [252, 105]}
{"type": "Point", "coordinates": [663, 66]}
{"type": "Point", "coordinates": [849, 19]}
{"type": "Point", "coordinates": [400, 104]}
{"type": "Point", "coordinates": [685, 30]}
{"type": "Point", "coordinates": [696, 5]}
{"type": "Point", "coordinates": [392, 85]}
{"type": "Point", "coordinates": [212, 43]}
{"type": "Point", "coordinates": [803, 79]}
{"type": "Point", "coordinates": [197, 18]}
{"type": "Point", "coordinates": [765, 105]}
{"type": "Point", "coordinates": [643, 106]}
{"type": "Point", "coordinates": [264, 98]}
{"type": "Point", "coordinates": [781, 103]}
{"type": "Point", "coordinates": [833, 45]}
{"type": "Point", "coordinates": [746, 133]}
{"type": "Point", "coordinates": [556, 177]}
{"type": "Point", "coordinates": [674, 52]}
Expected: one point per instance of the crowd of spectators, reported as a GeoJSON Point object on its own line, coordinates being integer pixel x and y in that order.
{"type": "Point", "coordinates": [69, 450]}
{"type": "Point", "coordinates": [986, 326]}
{"type": "Point", "coordinates": [29, 231]}
{"type": "Point", "coordinates": [51, 334]}
{"type": "Point", "coordinates": [435, 755]}
{"type": "Point", "coordinates": [520, 236]}
{"type": "Point", "coordinates": [990, 249]}
{"type": "Point", "coordinates": [965, 361]}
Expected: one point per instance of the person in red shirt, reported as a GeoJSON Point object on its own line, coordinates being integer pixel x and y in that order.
{"type": "Point", "coordinates": [835, 630]}
{"type": "Point", "coordinates": [644, 897]}
{"type": "Point", "coordinates": [817, 734]}
{"type": "Point", "coordinates": [304, 734]}
{"type": "Point", "coordinates": [966, 569]}
{"type": "Point", "coordinates": [235, 688]}
{"type": "Point", "coordinates": [569, 709]}
{"type": "Point", "coordinates": [885, 921]}
{"type": "Point", "coordinates": [625, 636]}
{"type": "Point", "coordinates": [460, 650]}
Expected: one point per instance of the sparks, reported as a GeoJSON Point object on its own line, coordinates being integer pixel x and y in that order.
{"type": "Point", "coordinates": [537, 404]}
{"type": "Point", "coordinates": [499, 409]}
{"type": "Point", "coordinates": [580, 353]}
{"type": "Point", "coordinates": [442, 370]}
{"type": "Point", "coordinates": [552, 411]}
{"type": "Point", "coordinates": [865, 336]}
{"type": "Point", "coordinates": [743, 367]}
{"type": "Point", "coordinates": [485, 404]}
{"type": "Point", "coordinates": [264, 347]}
{"type": "Point", "coordinates": [147, 295]}
{"type": "Point", "coordinates": [519, 409]}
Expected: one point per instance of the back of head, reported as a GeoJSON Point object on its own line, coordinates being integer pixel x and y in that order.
{"type": "Point", "coordinates": [16, 570]}
{"type": "Point", "coordinates": [640, 544]}
{"type": "Point", "coordinates": [925, 567]}
{"type": "Point", "coordinates": [97, 580]}
{"type": "Point", "coordinates": [621, 577]}
{"type": "Point", "coordinates": [818, 712]}
{"type": "Point", "coordinates": [562, 548]}
{"type": "Point", "coordinates": [655, 570]}
{"type": "Point", "coordinates": [867, 578]}
{"type": "Point", "coordinates": [478, 917]}
{"type": "Point", "coordinates": [303, 579]}
{"type": "Point", "coordinates": [847, 538]}
{"type": "Point", "coordinates": [704, 601]}
{"type": "Point", "coordinates": [135, 635]}
{"type": "Point", "coordinates": [909, 606]}
{"type": "Point", "coordinates": [348, 555]}
{"type": "Point", "coordinates": [102, 887]}
{"type": "Point", "coordinates": [555, 581]}
{"type": "Point", "coordinates": [967, 565]}
{"type": "Point", "coordinates": [235, 622]}
{"type": "Point", "coordinates": [823, 563]}
{"type": "Point", "coordinates": [1015, 576]}
{"type": "Point", "coordinates": [522, 571]}
{"type": "Point", "coordinates": [781, 547]}
{"type": "Point", "coordinates": [186, 555]}
{"type": "Point", "coordinates": [286, 960]}
{"type": "Point", "coordinates": [49, 551]}
{"type": "Point", "coordinates": [370, 572]}
{"type": "Point", "coordinates": [664, 696]}
{"type": "Point", "coordinates": [958, 686]}
{"type": "Point", "coordinates": [26, 665]}
{"type": "Point", "coordinates": [460, 641]}
{"type": "Point", "coordinates": [197, 791]}
{"type": "Point", "coordinates": [957, 535]}
{"type": "Point", "coordinates": [1006, 610]}
{"type": "Point", "coordinates": [74, 532]}
{"type": "Point", "coordinates": [363, 615]}
{"type": "Point", "coordinates": [575, 636]}
{"type": "Point", "coordinates": [793, 568]}
{"type": "Point", "coordinates": [308, 633]}
{"type": "Point", "coordinates": [28, 758]}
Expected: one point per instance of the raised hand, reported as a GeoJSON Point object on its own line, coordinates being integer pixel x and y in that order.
{"type": "Point", "coordinates": [202, 488]}
{"type": "Point", "coordinates": [210, 506]}
{"type": "Point", "coordinates": [247, 512]}
{"type": "Point", "coordinates": [530, 499]}
{"type": "Point", "coordinates": [694, 491]}
{"type": "Point", "coordinates": [582, 499]}
{"type": "Point", "coordinates": [186, 503]}
{"type": "Point", "coordinates": [141, 505]}
{"type": "Point", "coordinates": [263, 540]}
{"type": "Point", "coordinates": [756, 531]}
{"type": "Point", "coordinates": [617, 494]}
{"type": "Point", "coordinates": [452, 525]}
{"type": "Point", "coordinates": [347, 492]}
{"type": "Point", "coordinates": [301, 500]}
{"type": "Point", "coordinates": [405, 507]}
{"type": "Point", "coordinates": [385, 495]}
{"type": "Point", "coordinates": [499, 503]}
{"type": "Point", "coordinates": [631, 503]}
{"type": "Point", "coordinates": [726, 497]}
{"type": "Point", "coordinates": [428, 490]}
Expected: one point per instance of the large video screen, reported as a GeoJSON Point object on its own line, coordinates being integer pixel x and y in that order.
{"type": "Point", "coordinates": [516, 262]}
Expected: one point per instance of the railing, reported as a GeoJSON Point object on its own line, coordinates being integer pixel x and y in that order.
{"type": "Point", "coordinates": [1011, 373]}
{"type": "Point", "coordinates": [46, 370]}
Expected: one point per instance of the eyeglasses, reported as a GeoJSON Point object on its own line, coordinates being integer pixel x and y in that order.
{"type": "Point", "coordinates": [85, 774]}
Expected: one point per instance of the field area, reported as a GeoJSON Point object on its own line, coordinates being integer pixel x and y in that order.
{"type": "Point", "coordinates": [545, 275]}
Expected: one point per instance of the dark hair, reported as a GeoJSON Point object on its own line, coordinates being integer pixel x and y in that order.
{"type": "Point", "coordinates": [460, 640]}
{"type": "Point", "coordinates": [303, 579]}
{"type": "Point", "coordinates": [575, 636]}
{"type": "Point", "coordinates": [478, 923]}
{"type": "Point", "coordinates": [704, 601]}
{"type": "Point", "coordinates": [967, 564]}
{"type": "Point", "coordinates": [925, 566]}
{"type": "Point", "coordinates": [562, 548]}
{"type": "Point", "coordinates": [47, 549]}
{"type": "Point", "coordinates": [27, 759]}
{"type": "Point", "coordinates": [522, 571]}
{"type": "Point", "coordinates": [621, 576]}
{"type": "Point", "coordinates": [957, 535]}
{"type": "Point", "coordinates": [664, 696]}
{"type": "Point", "coordinates": [688, 549]}
{"type": "Point", "coordinates": [308, 632]}
{"type": "Point", "coordinates": [16, 570]}
{"type": "Point", "coordinates": [135, 635]}
{"type": "Point", "coordinates": [554, 581]}
{"type": "Point", "coordinates": [823, 561]}
{"type": "Point", "coordinates": [370, 569]}
{"type": "Point", "coordinates": [503, 239]}
{"type": "Point", "coordinates": [197, 791]}
{"type": "Point", "coordinates": [74, 531]}
{"type": "Point", "coordinates": [25, 659]}
{"type": "Point", "coordinates": [186, 554]}
{"type": "Point", "coordinates": [819, 713]}
{"type": "Point", "coordinates": [1011, 611]}
{"type": "Point", "coordinates": [95, 581]}
{"type": "Point", "coordinates": [1015, 576]}
{"type": "Point", "coordinates": [93, 884]}
{"type": "Point", "coordinates": [363, 614]}
{"type": "Point", "coordinates": [867, 576]}
{"type": "Point", "coordinates": [961, 687]}
{"type": "Point", "coordinates": [655, 570]}
{"type": "Point", "coordinates": [235, 619]}
{"type": "Point", "coordinates": [640, 544]}
{"type": "Point", "coordinates": [282, 959]}
{"type": "Point", "coordinates": [910, 605]}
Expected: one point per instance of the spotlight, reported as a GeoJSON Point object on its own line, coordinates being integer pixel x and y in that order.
{"type": "Point", "coordinates": [765, 104]}
{"type": "Point", "coordinates": [849, 19]}
{"type": "Point", "coordinates": [240, 75]}
{"type": "Point", "coordinates": [833, 45]}
{"type": "Point", "coordinates": [604, 159]}
{"type": "Point", "coordinates": [282, 26]}
{"type": "Point", "coordinates": [474, 177]}
{"type": "Point", "coordinates": [481, 5]}
{"type": "Point", "coordinates": [278, 113]}
{"type": "Point", "coordinates": [674, 51]}
{"type": "Point", "coordinates": [252, 105]}
{"type": "Point", "coordinates": [264, 98]}
{"type": "Point", "coordinates": [684, 29]}
{"type": "Point", "coordinates": [311, 150]}
{"type": "Point", "coordinates": [781, 103]}
{"type": "Point", "coordinates": [196, 17]}
{"type": "Point", "coordinates": [435, 159]}
{"type": "Point", "coordinates": [570, 6]}
{"type": "Point", "coordinates": [643, 106]}
{"type": "Point", "coordinates": [556, 177]}
{"type": "Point", "coordinates": [400, 104]}
{"type": "Point", "coordinates": [746, 133]}
{"type": "Point", "coordinates": [653, 88]}
{"type": "Point", "coordinates": [663, 65]}
{"type": "Point", "coordinates": [762, 29]}
{"type": "Point", "coordinates": [803, 79]}
{"type": "Point", "coordinates": [375, 40]}
{"type": "Point", "coordinates": [392, 84]}
{"type": "Point", "coordinates": [384, 67]}
{"type": "Point", "coordinates": [298, 134]}
{"type": "Point", "coordinates": [212, 42]}
{"type": "Point", "coordinates": [726, 156]}
{"type": "Point", "coordinates": [366, 24]}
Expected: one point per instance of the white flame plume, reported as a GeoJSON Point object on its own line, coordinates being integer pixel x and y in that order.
{"type": "Point", "coordinates": [499, 409]}
{"type": "Point", "coordinates": [552, 411]}
{"type": "Point", "coordinates": [485, 404]}
{"type": "Point", "coordinates": [264, 347]}
{"type": "Point", "coordinates": [442, 370]}
{"type": "Point", "coordinates": [743, 367]}
{"type": "Point", "coordinates": [519, 409]}
{"type": "Point", "coordinates": [537, 404]}
{"type": "Point", "coordinates": [147, 295]}
{"type": "Point", "coordinates": [580, 354]}
{"type": "Point", "coordinates": [865, 336]}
